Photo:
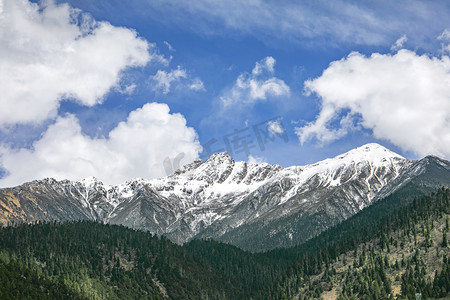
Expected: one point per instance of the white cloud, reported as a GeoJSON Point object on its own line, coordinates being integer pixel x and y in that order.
{"type": "Point", "coordinates": [445, 38]}
{"type": "Point", "coordinates": [257, 85]}
{"type": "Point", "coordinates": [49, 52]}
{"type": "Point", "coordinates": [197, 85]}
{"type": "Point", "coordinates": [275, 127]}
{"type": "Point", "coordinates": [169, 46]}
{"type": "Point", "coordinates": [267, 64]}
{"type": "Point", "coordinates": [445, 35]}
{"type": "Point", "coordinates": [164, 80]}
{"type": "Point", "coordinates": [403, 98]}
{"type": "Point", "coordinates": [255, 159]}
{"type": "Point", "coordinates": [127, 90]}
{"type": "Point", "coordinates": [137, 147]}
{"type": "Point", "coordinates": [399, 43]}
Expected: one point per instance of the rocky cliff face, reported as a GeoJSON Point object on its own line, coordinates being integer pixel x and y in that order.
{"type": "Point", "coordinates": [255, 206]}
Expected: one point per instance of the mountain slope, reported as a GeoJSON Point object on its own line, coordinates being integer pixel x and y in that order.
{"type": "Point", "coordinates": [254, 206]}
{"type": "Point", "coordinates": [97, 261]}
{"type": "Point", "coordinates": [317, 196]}
{"type": "Point", "coordinates": [377, 253]}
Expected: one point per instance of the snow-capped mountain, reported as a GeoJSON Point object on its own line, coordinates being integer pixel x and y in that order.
{"type": "Point", "coordinates": [255, 206]}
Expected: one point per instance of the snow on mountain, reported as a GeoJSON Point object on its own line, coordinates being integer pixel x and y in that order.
{"type": "Point", "coordinates": [208, 182]}
{"type": "Point", "coordinates": [215, 198]}
{"type": "Point", "coordinates": [334, 188]}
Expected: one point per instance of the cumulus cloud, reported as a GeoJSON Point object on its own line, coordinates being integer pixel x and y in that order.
{"type": "Point", "coordinates": [399, 43]}
{"type": "Point", "coordinates": [267, 64]}
{"type": "Point", "coordinates": [403, 98]}
{"type": "Point", "coordinates": [257, 85]}
{"type": "Point", "coordinates": [51, 52]}
{"type": "Point", "coordinates": [164, 80]}
{"type": "Point", "coordinates": [137, 147]}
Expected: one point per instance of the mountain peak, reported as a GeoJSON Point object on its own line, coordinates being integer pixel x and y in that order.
{"type": "Point", "coordinates": [435, 159]}
{"type": "Point", "coordinates": [90, 182]}
{"type": "Point", "coordinates": [372, 147]}
{"type": "Point", "coordinates": [371, 151]}
{"type": "Point", "coordinates": [219, 158]}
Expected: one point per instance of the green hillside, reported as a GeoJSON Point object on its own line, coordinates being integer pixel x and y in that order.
{"type": "Point", "coordinates": [393, 249]}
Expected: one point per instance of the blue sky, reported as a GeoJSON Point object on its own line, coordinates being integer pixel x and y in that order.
{"type": "Point", "coordinates": [119, 89]}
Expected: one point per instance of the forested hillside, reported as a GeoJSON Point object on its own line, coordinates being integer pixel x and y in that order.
{"type": "Point", "coordinates": [403, 253]}
{"type": "Point", "coordinates": [395, 248]}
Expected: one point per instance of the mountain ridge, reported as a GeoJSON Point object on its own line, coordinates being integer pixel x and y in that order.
{"type": "Point", "coordinates": [220, 197]}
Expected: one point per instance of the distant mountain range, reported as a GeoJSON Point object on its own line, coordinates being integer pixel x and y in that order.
{"type": "Point", "coordinates": [254, 206]}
